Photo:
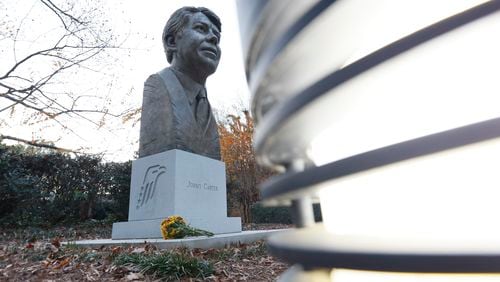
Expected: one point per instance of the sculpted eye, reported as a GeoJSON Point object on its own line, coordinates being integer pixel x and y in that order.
{"type": "Point", "coordinates": [200, 28]}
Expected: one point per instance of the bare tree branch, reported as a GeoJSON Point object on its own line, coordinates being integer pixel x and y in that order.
{"type": "Point", "coordinates": [35, 81]}
{"type": "Point", "coordinates": [55, 12]}
{"type": "Point", "coordinates": [60, 12]}
{"type": "Point", "coordinates": [37, 144]}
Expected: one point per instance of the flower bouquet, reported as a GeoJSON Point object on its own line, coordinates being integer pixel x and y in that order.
{"type": "Point", "coordinates": [175, 227]}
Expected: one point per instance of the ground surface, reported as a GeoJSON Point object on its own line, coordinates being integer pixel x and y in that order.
{"type": "Point", "coordinates": [35, 254]}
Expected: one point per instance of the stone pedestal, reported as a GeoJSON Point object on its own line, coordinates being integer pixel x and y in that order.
{"type": "Point", "coordinates": [176, 183]}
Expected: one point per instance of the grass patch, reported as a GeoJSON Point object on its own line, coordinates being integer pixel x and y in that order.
{"type": "Point", "coordinates": [167, 265]}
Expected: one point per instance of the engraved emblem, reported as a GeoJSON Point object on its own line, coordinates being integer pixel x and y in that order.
{"type": "Point", "coordinates": [149, 184]}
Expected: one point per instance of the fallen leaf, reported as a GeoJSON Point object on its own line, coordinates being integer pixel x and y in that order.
{"type": "Point", "coordinates": [56, 242]}
{"type": "Point", "coordinates": [51, 248]}
{"type": "Point", "coordinates": [62, 263]}
{"type": "Point", "coordinates": [135, 276]}
{"type": "Point", "coordinates": [150, 247]}
{"type": "Point", "coordinates": [138, 251]}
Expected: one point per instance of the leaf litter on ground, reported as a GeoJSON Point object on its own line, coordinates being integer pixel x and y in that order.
{"type": "Point", "coordinates": [39, 255]}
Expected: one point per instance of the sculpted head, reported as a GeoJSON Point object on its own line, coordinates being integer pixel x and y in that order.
{"type": "Point", "coordinates": [191, 40]}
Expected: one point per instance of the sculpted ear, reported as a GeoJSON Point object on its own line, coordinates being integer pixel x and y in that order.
{"type": "Point", "coordinates": [171, 44]}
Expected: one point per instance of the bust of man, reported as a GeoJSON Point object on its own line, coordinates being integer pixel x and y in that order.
{"type": "Point", "coordinates": [175, 111]}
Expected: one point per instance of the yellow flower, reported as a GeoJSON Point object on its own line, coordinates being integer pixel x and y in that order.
{"type": "Point", "coordinates": [176, 227]}
{"type": "Point", "coordinates": [172, 226]}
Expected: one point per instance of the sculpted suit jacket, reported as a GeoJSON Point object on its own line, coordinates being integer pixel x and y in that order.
{"type": "Point", "coordinates": [168, 121]}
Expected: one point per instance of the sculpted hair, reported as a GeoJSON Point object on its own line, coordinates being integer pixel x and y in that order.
{"type": "Point", "coordinates": [177, 22]}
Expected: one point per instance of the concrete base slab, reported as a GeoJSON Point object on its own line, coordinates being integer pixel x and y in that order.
{"type": "Point", "coordinates": [203, 242]}
{"type": "Point", "coordinates": [150, 229]}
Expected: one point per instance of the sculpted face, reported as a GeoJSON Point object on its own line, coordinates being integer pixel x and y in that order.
{"type": "Point", "coordinates": [198, 45]}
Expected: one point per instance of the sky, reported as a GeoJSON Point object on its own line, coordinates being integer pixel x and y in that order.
{"type": "Point", "coordinates": [138, 25]}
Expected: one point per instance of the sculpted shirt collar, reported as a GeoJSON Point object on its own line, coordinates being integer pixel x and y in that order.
{"type": "Point", "coordinates": [191, 87]}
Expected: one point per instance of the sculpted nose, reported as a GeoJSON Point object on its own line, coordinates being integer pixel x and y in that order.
{"type": "Point", "coordinates": [212, 38]}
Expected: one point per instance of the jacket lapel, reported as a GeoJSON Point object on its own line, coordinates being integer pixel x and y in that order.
{"type": "Point", "coordinates": [178, 98]}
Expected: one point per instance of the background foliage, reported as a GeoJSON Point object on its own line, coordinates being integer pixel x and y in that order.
{"type": "Point", "coordinates": [242, 171]}
{"type": "Point", "coordinates": [44, 188]}
{"type": "Point", "coordinates": [283, 215]}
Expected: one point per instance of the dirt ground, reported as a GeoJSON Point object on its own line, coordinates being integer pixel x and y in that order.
{"type": "Point", "coordinates": [34, 254]}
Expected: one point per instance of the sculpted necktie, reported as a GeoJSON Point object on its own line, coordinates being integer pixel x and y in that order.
{"type": "Point", "coordinates": [202, 113]}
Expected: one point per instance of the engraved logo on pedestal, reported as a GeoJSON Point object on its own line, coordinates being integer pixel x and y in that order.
{"type": "Point", "coordinates": [149, 184]}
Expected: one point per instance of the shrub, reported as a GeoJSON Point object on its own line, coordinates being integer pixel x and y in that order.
{"type": "Point", "coordinates": [43, 188]}
{"type": "Point", "coordinates": [261, 214]}
{"type": "Point", "coordinates": [117, 196]}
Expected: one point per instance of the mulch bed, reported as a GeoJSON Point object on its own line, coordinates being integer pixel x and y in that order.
{"type": "Point", "coordinates": [36, 255]}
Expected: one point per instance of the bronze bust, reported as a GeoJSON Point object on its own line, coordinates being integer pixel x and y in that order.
{"type": "Point", "coordinates": [175, 111]}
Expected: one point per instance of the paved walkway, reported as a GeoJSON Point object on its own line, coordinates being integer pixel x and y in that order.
{"type": "Point", "coordinates": [203, 242]}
